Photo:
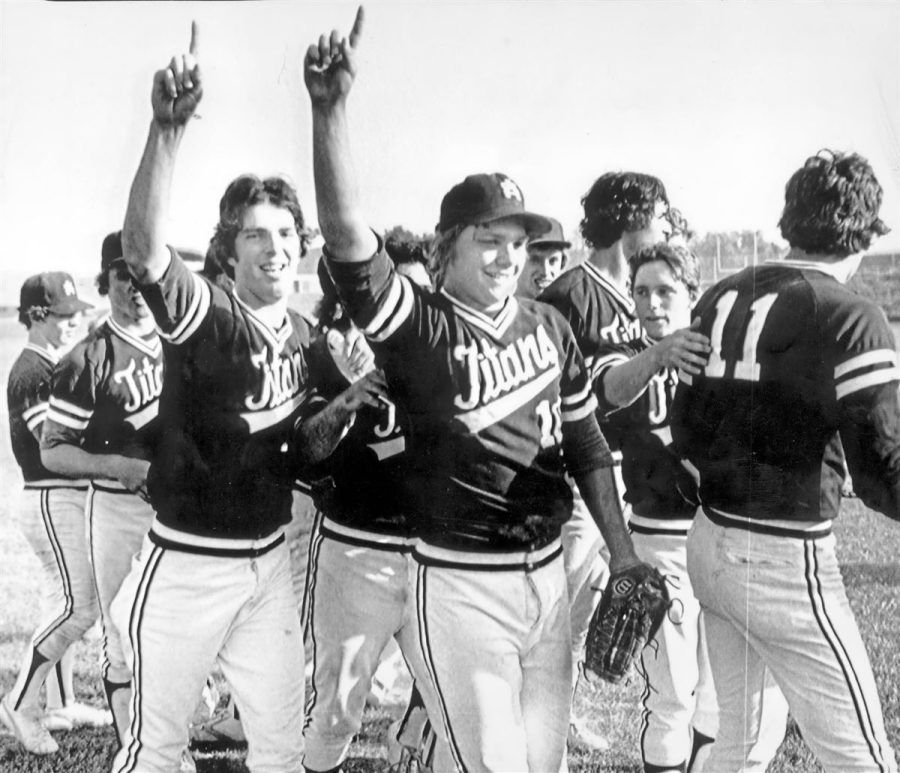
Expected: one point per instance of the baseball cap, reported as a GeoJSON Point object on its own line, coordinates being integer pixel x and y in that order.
{"type": "Point", "coordinates": [52, 290]}
{"type": "Point", "coordinates": [482, 198]}
{"type": "Point", "coordinates": [111, 251]}
{"type": "Point", "coordinates": [553, 238]}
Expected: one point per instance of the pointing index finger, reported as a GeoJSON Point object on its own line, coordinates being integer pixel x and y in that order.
{"type": "Point", "coordinates": [356, 32]}
{"type": "Point", "coordinates": [195, 38]}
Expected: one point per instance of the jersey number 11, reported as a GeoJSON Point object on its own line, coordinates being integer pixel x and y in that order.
{"type": "Point", "coordinates": [747, 367]}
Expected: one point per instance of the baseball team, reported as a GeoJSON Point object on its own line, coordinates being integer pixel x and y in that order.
{"type": "Point", "coordinates": [487, 437]}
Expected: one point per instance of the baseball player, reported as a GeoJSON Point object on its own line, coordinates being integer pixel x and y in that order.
{"type": "Point", "coordinates": [639, 378]}
{"type": "Point", "coordinates": [51, 516]}
{"type": "Point", "coordinates": [357, 577]}
{"type": "Point", "coordinates": [802, 373]}
{"type": "Point", "coordinates": [101, 425]}
{"type": "Point", "coordinates": [495, 390]}
{"type": "Point", "coordinates": [623, 211]}
{"type": "Point", "coordinates": [547, 259]}
{"type": "Point", "coordinates": [212, 583]}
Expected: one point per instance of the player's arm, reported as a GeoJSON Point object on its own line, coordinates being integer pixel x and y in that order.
{"type": "Point", "coordinates": [319, 434]}
{"type": "Point", "coordinates": [329, 71]}
{"type": "Point", "coordinates": [623, 382]}
{"type": "Point", "coordinates": [176, 93]}
{"type": "Point", "coordinates": [74, 462]}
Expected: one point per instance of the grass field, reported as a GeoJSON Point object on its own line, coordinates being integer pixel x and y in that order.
{"type": "Point", "coordinates": [868, 546]}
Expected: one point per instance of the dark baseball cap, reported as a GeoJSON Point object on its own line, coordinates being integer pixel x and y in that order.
{"type": "Point", "coordinates": [553, 238]}
{"type": "Point", "coordinates": [111, 251]}
{"type": "Point", "coordinates": [483, 198]}
{"type": "Point", "coordinates": [54, 291]}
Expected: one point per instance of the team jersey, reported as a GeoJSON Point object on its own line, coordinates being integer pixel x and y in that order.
{"type": "Point", "coordinates": [662, 492]}
{"type": "Point", "coordinates": [800, 366]}
{"type": "Point", "coordinates": [599, 314]}
{"type": "Point", "coordinates": [105, 392]}
{"type": "Point", "coordinates": [224, 468]}
{"type": "Point", "coordinates": [27, 396]}
{"type": "Point", "coordinates": [360, 484]}
{"type": "Point", "coordinates": [493, 401]}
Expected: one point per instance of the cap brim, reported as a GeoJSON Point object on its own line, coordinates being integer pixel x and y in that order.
{"type": "Point", "coordinates": [534, 224]}
{"type": "Point", "coordinates": [561, 244]}
{"type": "Point", "coordinates": [70, 306]}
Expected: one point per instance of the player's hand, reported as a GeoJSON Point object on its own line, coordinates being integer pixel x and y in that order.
{"type": "Point", "coordinates": [359, 355]}
{"type": "Point", "coordinates": [177, 89]}
{"type": "Point", "coordinates": [329, 67]}
{"type": "Point", "coordinates": [370, 390]}
{"type": "Point", "coordinates": [685, 349]}
{"type": "Point", "coordinates": [132, 473]}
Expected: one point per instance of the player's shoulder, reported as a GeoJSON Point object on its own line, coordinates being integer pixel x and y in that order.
{"type": "Point", "coordinates": [30, 366]}
{"type": "Point", "coordinates": [90, 351]}
{"type": "Point", "coordinates": [573, 282]}
{"type": "Point", "coordinates": [303, 327]}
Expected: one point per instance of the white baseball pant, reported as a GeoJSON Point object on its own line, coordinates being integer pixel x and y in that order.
{"type": "Point", "coordinates": [777, 603]}
{"type": "Point", "coordinates": [185, 612]}
{"type": "Point", "coordinates": [492, 658]}
{"type": "Point", "coordinates": [356, 596]}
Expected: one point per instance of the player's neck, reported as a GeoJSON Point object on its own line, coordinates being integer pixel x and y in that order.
{"type": "Point", "coordinates": [841, 269]}
{"type": "Point", "coordinates": [38, 340]}
{"type": "Point", "coordinates": [136, 327]}
{"type": "Point", "coordinates": [271, 312]}
{"type": "Point", "coordinates": [612, 264]}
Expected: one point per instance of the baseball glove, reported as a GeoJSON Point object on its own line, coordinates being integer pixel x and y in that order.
{"type": "Point", "coordinates": [631, 610]}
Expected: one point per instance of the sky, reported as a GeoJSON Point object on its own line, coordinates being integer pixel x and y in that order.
{"type": "Point", "coordinates": [723, 100]}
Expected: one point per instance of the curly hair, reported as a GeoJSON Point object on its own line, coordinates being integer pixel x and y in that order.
{"type": "Point", "coordinates": [619, 202]}
{"type": "Point", "coordinates": [681, 262]}
{"type": "Point", "coordinates": [831, 205]}
{"type": "Point", "coordinates": [242, 193]}
{"type": "Point", "coordinates": [440, 252]}
{"type": "Point", "coordinates": [28, 317]}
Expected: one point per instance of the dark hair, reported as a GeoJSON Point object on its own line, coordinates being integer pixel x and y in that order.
{"type": "Point", "coordinates": [244, 192]}
{"type": "Point", "coordinates": [681, 261]}
{"type": "Point", "coordinates": [215, 272]}
{"type": "Point", "coordinates": [680, 225]}
{"type": "Point", "coordinates": [28, 317]}
{"type": "Point", "coordinates": [403, 251]}
{"type": "Point", "coordinates": [831, 205]}
{"type": "Point", "coordinates": [619, 202]}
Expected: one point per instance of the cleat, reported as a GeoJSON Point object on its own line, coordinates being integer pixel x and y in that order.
{"type": "Point", "coordinates": [54, 723]}
{"type": "Point", "coordinates": [222, 729]}
{"type": "Point", "coordinates": [582, 738]}
{"type": "Point", "coordinates": [26, 726]}
{"type": "Point", "coordinates": [78, 715]}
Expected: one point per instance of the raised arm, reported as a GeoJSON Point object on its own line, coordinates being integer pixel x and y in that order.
{"type": "Point", "coordinates": [329, 71]}
{"type": "Point", "coordinates": [176, 93]}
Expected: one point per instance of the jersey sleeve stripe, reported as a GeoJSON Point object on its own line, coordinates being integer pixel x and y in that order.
{"type": "Point", "coordinates": [196, 313]}
{"type": "Point", "coordinates": [66, 421]}
{"type": "Point", "coordinates": [577, 414]}
{"type": "Point", "coordinates": [29, 412]}
{"type": "Point", "coordinates": [684, 377]}
{"type": "Point", "coordinates": [35, 421]}
{"type": "Point", "coordinates": [874, 378]}
{"type": "Point", "coordinates": [602, 364]}
{"type": "Point", "coordinates": [63, 406]}
{"type": "Point", "coordinates": [580, 396]}
{"type": "Point", "coordinates": [865, 360]}
{"type": "Point", "coordinates": [394, 310]}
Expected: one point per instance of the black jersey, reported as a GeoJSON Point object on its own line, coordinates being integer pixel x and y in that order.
{"type": "Point", "coordinates": [27, 397]}
{"type": "Point", "coordinates": [105, 394]}
{"type": "Point", "coordinates": [800, 366]}
{"type": "Point", "coordinates": [661, 490]}
{"type": "Point", "coordinates": [492, 401]}
{"type": "Point", "coordinates": [234, 387]}
{"type": "Point", "coordinates": [360, 484]}
{"type": "Point", "coordinates": [599, 314]}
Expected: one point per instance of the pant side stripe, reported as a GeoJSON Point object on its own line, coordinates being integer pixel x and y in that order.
{"type": "Point", "coordinates": [135, 620]}
{"type": "Point", "coordinates": [830, 633]}
{"type": "Point", "coordinates": [104, 649]}
{"type": "Point", "coordinates": [40, 637]}
{"type": "Point", "coordinates": [422, 616]}
{"type": "Point", "coordinates": [308, 612]}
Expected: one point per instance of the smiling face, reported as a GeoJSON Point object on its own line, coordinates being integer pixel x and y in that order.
{"type": "Point", "coordinates": [486, 263]}
{"type": "Point", "coordinates": [266, 249]}
{"type": "Point", "coordinates": [543, 266]}
{"type": "Point", "coordinates": [662, 301]}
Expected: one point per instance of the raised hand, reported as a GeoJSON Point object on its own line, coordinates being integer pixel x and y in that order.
{"type": "Point", "coordinates": [177, 89]}
{"type": "Point", "coordinates": [329, 68]}
{"type": "Point", "coordinates": [370, 390]}
{"type": "Point", "coordinates": [686, 349]}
